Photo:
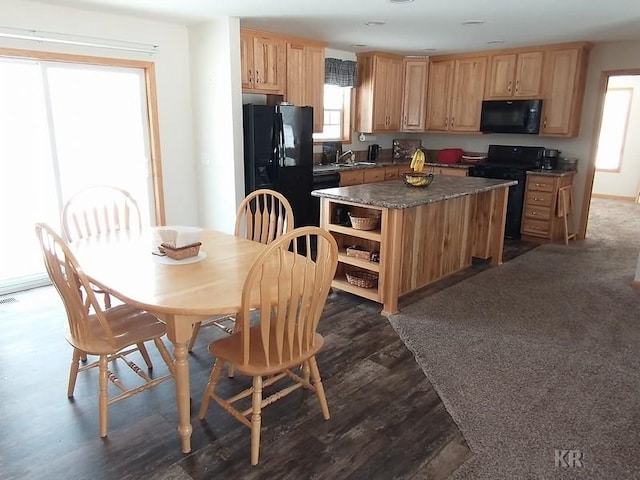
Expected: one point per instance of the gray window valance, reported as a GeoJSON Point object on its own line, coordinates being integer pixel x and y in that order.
{"type": "Point", "coordinates": [340, 72]}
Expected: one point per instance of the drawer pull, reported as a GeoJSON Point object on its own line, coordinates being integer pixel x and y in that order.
{"type": "Point", "coordinates": [540, 184]}
{"type": "Point", "coordinates": [538, 199]}
{"type": "Point", "coordinates": [534, 213]}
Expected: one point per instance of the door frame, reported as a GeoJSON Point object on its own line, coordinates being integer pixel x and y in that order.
{"type": "Point", "coordinates": [152, 106]}
{"type": "Point", "coordinates": [591, 166]}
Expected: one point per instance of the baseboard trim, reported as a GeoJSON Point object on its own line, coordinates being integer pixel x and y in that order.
{"type": "Point", "coordinates": [613, 197]}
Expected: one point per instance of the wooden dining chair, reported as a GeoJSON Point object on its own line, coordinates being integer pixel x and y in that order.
{"type": "Point", "coordinates": [262, 216]}
{"type": "Point", "coordinates": [111, 334]}
{"type": "Point", "coordinates": [100, 210]}
{"type": "Point", "coordinates": [282, 342]}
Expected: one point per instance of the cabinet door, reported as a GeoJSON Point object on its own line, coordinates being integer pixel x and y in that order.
{"type": "Point", "coordinates": [467, 94]}
{"type": "Point", "coordinates": [560, 71]}
{"type": "Point", "coordinates": [502, 71]}
{"type": "Point", "coordinates": [295, 74]}
{"type": "Point", "coordinates": [246, 60]}
{"type": "Point", "coordinates": [528, 74]}
{"type": "Point", "coordinates": [393, 95]}
{"type": "Point", "coordinates": [438, 95]}
{"type": "Point", "coordinates": [414, 95]}
{"type": "Point", "coordinates": [269, 64]}
{"type": "Point", "coordinates": [382, 71]}
{"type": "Point", "coordinates": [314, 83]}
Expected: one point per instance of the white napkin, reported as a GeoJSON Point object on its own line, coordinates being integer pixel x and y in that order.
{"type": "Point", "coordinates": [177, 237]}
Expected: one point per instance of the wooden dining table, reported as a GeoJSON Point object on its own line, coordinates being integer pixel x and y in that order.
{"type": "Point", "coordinates": [180, 293]}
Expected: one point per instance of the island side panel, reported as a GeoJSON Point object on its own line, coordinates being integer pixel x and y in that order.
{"type": "Point", "coordinates": [391, 259]}
{"type": "Point", "coordinates": [488, 216]}
{"type": "Point", "coordinates": [436, 242]}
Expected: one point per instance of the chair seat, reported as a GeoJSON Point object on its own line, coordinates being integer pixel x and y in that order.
{"type": "Point", "coordinates": [230, 349]}
{"type": "Point", "coordinates": [129, 325]}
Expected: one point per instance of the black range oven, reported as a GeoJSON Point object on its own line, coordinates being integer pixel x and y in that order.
{"type": "Point", "coordinates": [511, 163]}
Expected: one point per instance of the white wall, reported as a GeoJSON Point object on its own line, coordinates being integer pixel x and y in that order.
{"type": "Point", "coordinates": [173, 81]}
{"type": "Point", "coordinates": [215, 69]}
{"type": "Point", "coordinates": [624, 183]}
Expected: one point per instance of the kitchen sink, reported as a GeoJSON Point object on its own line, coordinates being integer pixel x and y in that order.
{"type": "Point", "coordinates": [341, 166]}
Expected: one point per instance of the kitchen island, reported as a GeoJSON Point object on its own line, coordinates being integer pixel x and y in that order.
{"type": "Point", "coordinates": [423, 233]}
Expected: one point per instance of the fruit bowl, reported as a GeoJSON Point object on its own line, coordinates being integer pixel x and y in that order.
{"type": "Point", "coordinates": [417, 179]}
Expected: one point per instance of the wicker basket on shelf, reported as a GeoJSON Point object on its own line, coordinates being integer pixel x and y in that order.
{"type": "Point", "coordinates": [370, 222]}
{"type": "Point", "coordinates": [362, 278]}
{"type": "Point", "coordinates": [180, 253]}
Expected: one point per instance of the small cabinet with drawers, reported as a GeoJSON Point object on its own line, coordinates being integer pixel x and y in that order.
{"type": "Point", "coordinates": [539, 213]}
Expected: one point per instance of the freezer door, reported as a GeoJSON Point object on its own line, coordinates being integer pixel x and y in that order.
{"type": "Point", "coordinates": [295, 172]}
{"type": "Point", "coordinates": [260, 123]}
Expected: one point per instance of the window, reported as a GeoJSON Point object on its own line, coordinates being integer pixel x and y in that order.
{"type": "Point", "coordinates": [337, 114]}
{"type": "Point", "coordinates": [615, 116]}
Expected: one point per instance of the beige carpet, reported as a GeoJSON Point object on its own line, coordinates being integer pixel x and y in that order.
{"type": "Point", "coordinates": [542, 354]}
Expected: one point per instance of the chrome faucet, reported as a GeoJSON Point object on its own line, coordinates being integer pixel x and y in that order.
{"type": "Point", "coordinates": [341, 156]}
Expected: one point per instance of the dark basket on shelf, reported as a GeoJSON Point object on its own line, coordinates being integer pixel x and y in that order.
{"type": "Point", "coordinates": [180, 253]}
{"type": "Point", "coordinates": [362, 278]}
{"type": "Point", "coordinates": [417, 179]}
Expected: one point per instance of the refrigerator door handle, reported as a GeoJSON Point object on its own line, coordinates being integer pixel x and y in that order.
{"type": "Point", "coordinates": [280, 139]}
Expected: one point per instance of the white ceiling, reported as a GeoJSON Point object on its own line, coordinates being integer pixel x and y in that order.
{"type": "Point", "coordinates": [409, 28]}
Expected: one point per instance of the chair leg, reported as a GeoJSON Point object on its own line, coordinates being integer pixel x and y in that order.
{"type": "Point", "coordinates": [215, 374]}
{"type": "Point", "coordinates": [73, 372]}
{"type": "Point", "coordinates": [317, 383]}
{"type": "Point", "coordinates": [103, 401]}
{"type": "Point", "coordinates": [145, 355]}
{"type": "Point", "coordinates": [256, 419]}
{"type": "Point", "coordinates": [230, 371]}
{"type": "Point", "coordinates": [164, 353]}
{"type": "Point", "coordinates": [306, 371]}
{"type": "Point", "coordinates": [194, 334]}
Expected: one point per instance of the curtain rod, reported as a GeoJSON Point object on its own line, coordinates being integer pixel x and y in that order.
{"type": "Point", "coordinates": [78, 40]}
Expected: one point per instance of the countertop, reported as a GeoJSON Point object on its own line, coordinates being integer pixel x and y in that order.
{"type": "Point", "coordinates": [395, 194]}
{"type": "Point", "coordinates": [347, 167]}
{"type": "Point", "coordinates": [551, 173]}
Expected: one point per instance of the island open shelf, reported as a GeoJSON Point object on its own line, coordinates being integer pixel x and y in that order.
{"type": "Point", "coordinates": [424, 234]}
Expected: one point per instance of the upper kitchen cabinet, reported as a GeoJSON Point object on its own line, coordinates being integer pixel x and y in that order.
{"type": "Point", "coordinates": [414, 94]}
{"type": "Point", "coordinates": [514, 75]}
{"type": "Point", "coordinates": [379, 93]}
{"type": "Point", "coordinates": [455, 93]}
{"type": "Point", "coordinates": [563, 81]}
{"type": "Point", "coordinates": [305, 78]}
{"type": "Point", "coordinates": [263, 60]}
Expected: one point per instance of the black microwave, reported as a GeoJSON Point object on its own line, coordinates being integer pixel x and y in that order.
{"type": "Point", "coordinates": [511, 116]}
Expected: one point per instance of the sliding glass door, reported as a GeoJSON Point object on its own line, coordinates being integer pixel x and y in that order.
{"type": "Point", "coordinates": [64, 127]}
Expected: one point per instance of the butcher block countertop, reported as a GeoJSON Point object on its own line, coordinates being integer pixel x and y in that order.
{"type": "Point", "coordinates": [396, 195]}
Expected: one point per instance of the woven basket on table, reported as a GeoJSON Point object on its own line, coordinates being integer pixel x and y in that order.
{"type": "Point", "coordinates": [180, 253]}
{"type": "Point", "coordinates": [362, 278]}
{"type": "Point", "coordinates": [364, 223]}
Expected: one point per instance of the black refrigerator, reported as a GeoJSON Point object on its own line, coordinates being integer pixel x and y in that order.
{"type": "Point", "coordinates": [278, 154]}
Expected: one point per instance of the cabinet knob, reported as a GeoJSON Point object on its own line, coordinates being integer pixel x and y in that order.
{"type": "Point", "coordinates": [446, 122]}
{"type": "Point", "coordinates": [257, 76]}
{"type": "Point", "coordinates": [250, 77]}
{"type": "Point", "coordinates": [517, 85]}
{"type": "Point", "coordinates": [509, 86]}
{"type": "Point", "coordinates": [452, 121]}
{"type": "Point", "coordinates": [544, 123]}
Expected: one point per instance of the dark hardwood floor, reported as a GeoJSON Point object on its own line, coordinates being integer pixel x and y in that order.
{"type": "Point", "coordinates": [386, 419]}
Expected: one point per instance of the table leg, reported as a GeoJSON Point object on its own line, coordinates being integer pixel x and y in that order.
{"type": "Point", "coordinates": [179, 333]}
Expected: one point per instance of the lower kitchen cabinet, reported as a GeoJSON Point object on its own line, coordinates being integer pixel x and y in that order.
{"type": "Point", "coordinates": [539, 218]}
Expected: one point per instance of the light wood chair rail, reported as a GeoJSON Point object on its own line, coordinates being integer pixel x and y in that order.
{"type": "Point", "coordinates": [111, 334]}
{"type": "Point", "coordinates": [99, 210]}
{"type": "Point", "coordinates": [281, 336]}
{"type": "Point", "coordinates": [262, 216]}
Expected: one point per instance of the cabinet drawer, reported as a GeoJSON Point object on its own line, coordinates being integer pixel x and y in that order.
{"type": "Point", "coordinates": [535, 227]}
{"type": "Point", "coordinates": [391, 174]}
{"type": "Point", "coordinates": [374, 175]}
{"type": "Point", "coordinates": [539, 213]}
{"type": "Point", "coordinates": [544, 199]}
{"type": "Point", "coordinates": [541, 184]}
{"type": "Point", "coordinates": [351, 178]}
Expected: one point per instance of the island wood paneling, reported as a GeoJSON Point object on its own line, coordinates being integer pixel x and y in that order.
{"type": "Point", "coordinates": [435, 242]}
